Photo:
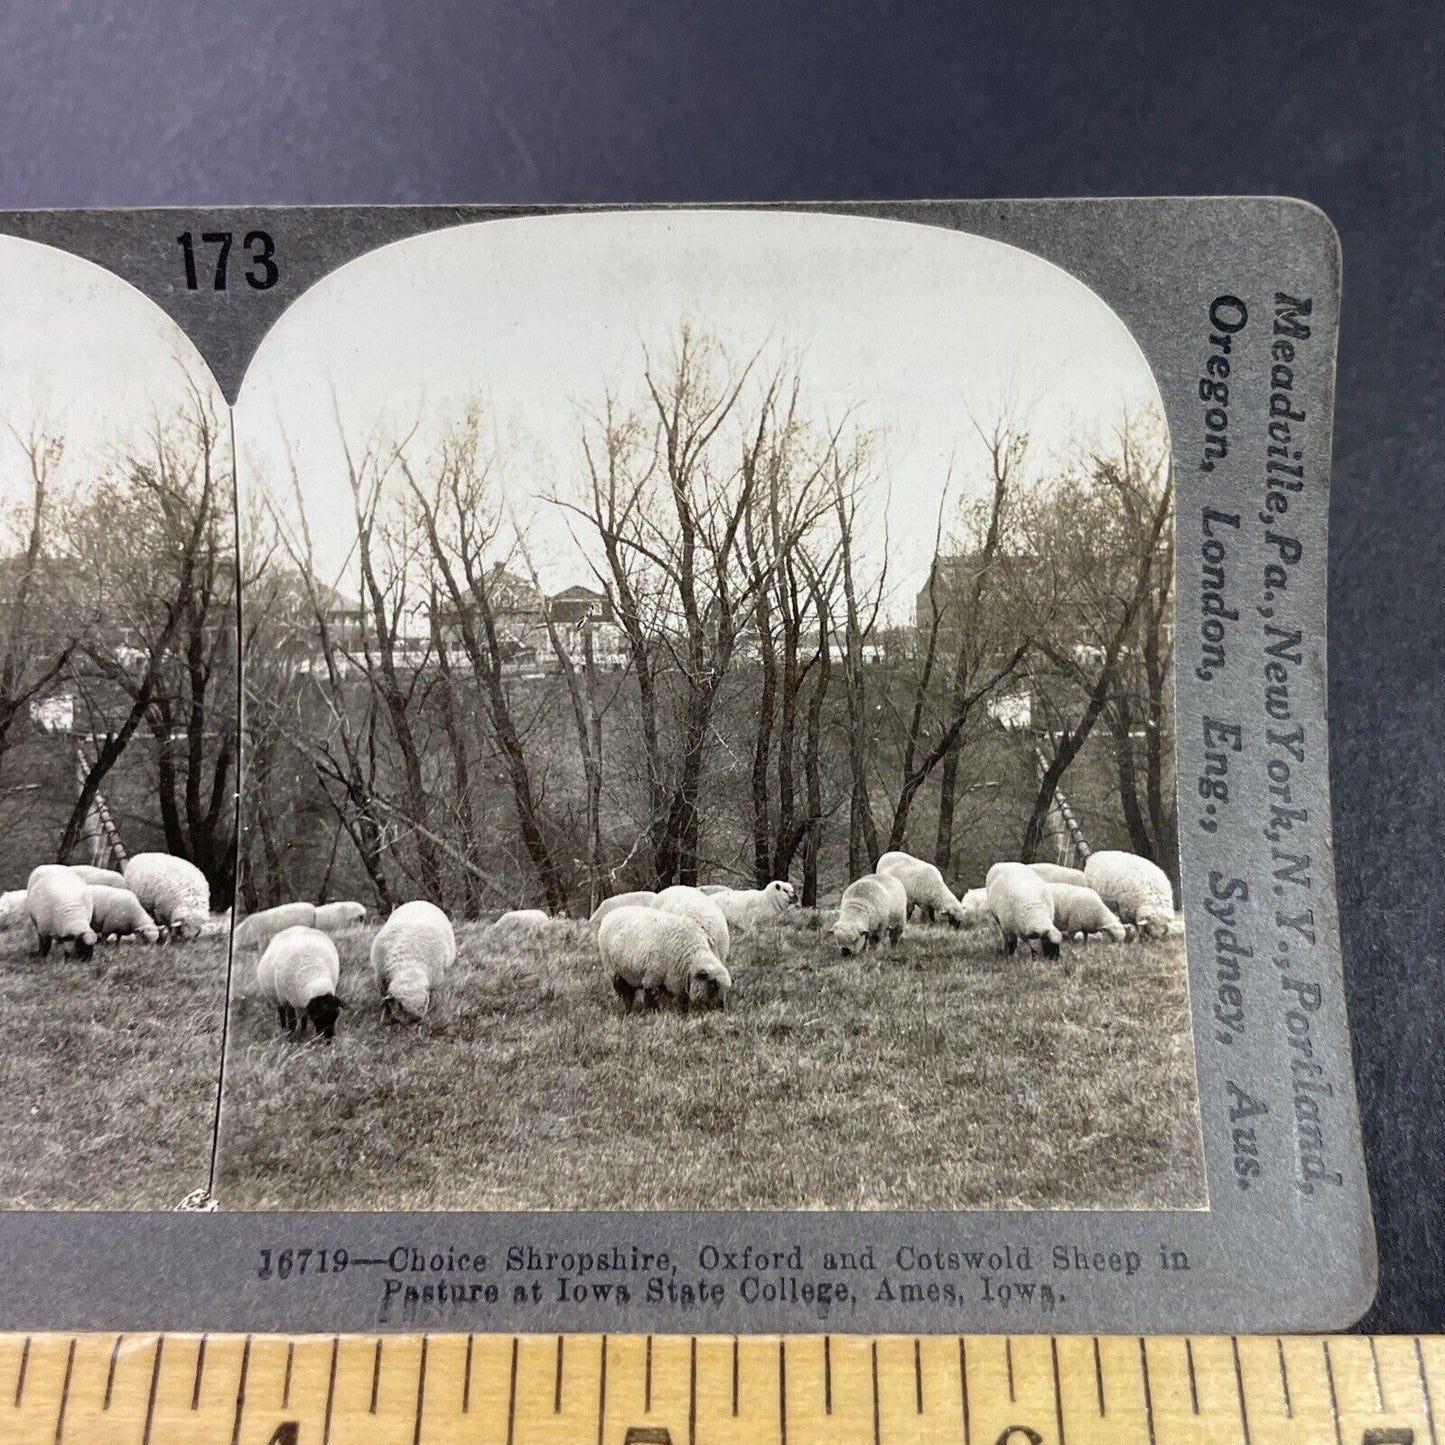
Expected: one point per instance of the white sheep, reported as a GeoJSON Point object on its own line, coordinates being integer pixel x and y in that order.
{"type": "Point", "coordinates": [1024, 907]}
{"type": "Point", "coordinates": [173, 891]}
{"type": "Point", "coordinates": [693, 903]}
{"type": "Point", "coordinates": [1057, 873]}
{"type": "Point", "coordinates": [872, 906]}
{"type": "Point", "coordinates": [299, 971]}
{"type": "Point", "coordinates": [256, 930]}
{"type": "Point", "coordinates": [656, 953]}
{"type": "Point", "coordinates": [59, 906]}
{"type": "Point", "coordinates": [410, 956]}
{"type": "Point", "coordinates": [333, 917]}
{"type": "Point", "coordinates": [1081, 910]}
{"type": "Point", "coordinates": [975, 908]}
{"type": "Point", "coordinates": [711, 888]}
{"type": "Point", "coordinates": [12, 909]}
{"type": "Point", "coordinates": [1136, 889]}
{"type": "Point", "coordinates": [107, 877]}
{"type": "Point", "coordinates": [927, 892]}
{"type": "Point", "coordinates": [116, 913]}
{"type": "Point", "coordinates": [638, 898]}
{"type": "Point", "coordinates": [748, 908]}
{"type": "Point", "coordinates": [530, 919]}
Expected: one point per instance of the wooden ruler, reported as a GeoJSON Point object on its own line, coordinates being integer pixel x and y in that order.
{"type": "Point", "coordinates": [711, 1390]}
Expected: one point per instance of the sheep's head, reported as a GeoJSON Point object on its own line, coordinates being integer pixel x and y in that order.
{"type": "Point", "coordinates": [323, 1012]}
{"type": "Point", "coordinates": [955, 914]}
{"type": "Point", "coordinates": [84, 944]}
{"type": "Point", "coordinates": [1052, 942]}
{"type": "Point", "coordinates": [708, 984]}
{"type": "Point", "coordinates": [406, 1000]}
{"type": "Point", "coordinates": [150, 933]}
{"type": "Point", "coordinates": [782, 894]}
{"type": "Point", "coordinates": [1155, 922]}
{"type": "Point", "coordinates": [1117, 932]}
{"type": "Point", "coordinates": [190, 924]}
{"type": "Point", "coordinates": [850, 937]}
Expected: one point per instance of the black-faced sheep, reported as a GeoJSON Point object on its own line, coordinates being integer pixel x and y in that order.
{"type": "Point", "coordinates": [1024, 907]}
{"type": "Point", "coordinates": [299, 972]}
{"type": "Point", "coordinates": [927, 892]}
{"type": "Point", "coordinates": [872, 906]}
{"type": "Point", "coordinates": [59, 906]}
{"type": "Point", "coordinates": [660, 954]}
{"type": "Point", "coordinates": [1136, 889]}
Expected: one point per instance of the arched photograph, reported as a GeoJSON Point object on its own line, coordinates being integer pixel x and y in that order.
{"type": "Point", "coordinates": [118, 741]}
{"type": "Point", "coordinates": [709, 732]}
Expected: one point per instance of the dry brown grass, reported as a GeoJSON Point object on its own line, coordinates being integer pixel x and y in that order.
{"type": "Point", "coordinates": [108, 1073]}
{"type": "Point", "coordinates": [939, 1076]}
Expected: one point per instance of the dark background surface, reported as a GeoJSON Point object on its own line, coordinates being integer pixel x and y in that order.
{"type": "Point", "coordinates": [147, 103]}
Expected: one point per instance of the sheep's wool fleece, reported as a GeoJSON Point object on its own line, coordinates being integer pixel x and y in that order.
{"type": "Point", "coordinates": [299, 964]}
{"type": "Point", "coordinates": [649, 948]}
{"type": "Point", "coordinates": [256, 930]}
{"type": "Point", "coordinates": [693, 903]}
{"type": "Point", "coordinates": [58, 902]}
{"type": "Point", "coordinates": [411, 954]}
{"type": "Point", "coordinates": [172, 890]}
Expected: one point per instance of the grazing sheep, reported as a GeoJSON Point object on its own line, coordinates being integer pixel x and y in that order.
{"type": "Point", "coordinates": [975, 907]}
{"type": "Point", "coordinates": [333, 917]}
{"type": "Point", "coordinates": [12, 909]}
{"type": "Point", "coordinates": [256, 930]}
{"type": "Point", "coordinates": [711, 888]}
{"type": "Point", "coordinates": [1057, 873]}
{"type": "Point", "coordinates": [693, 903]}
{"type": "Point", "coordinates": [410, 956]}
{"type": "Point", "coordinates": [927, 892]}
{"type": "Point", "coordinates": [1024, 907]}
{"type": "Point", "coordinates": [640, 898]}
{"type": "Point", "coordinates": [749, 908]}
{"type": "Point", "coordinates": [529, 918]}
{"type": "Point", "coordinates": [656, 953]}
{"type": "Point", "coordinates": [174, 892]}
{"type": "Point", "coordinates": [1081, 910]}
{"type": "Point", "coordinates": [872, 906]}
{"type": "Point", "coordinates": [299, 972]}
{"type": "Point", "coordinates": [107, 877]}
{"type": "Point", "coordinates": [59, 906]}
{"type": "Point", "coordinates": [1136, 889]}
{"type": "Point", "coordinates": [116, 913]}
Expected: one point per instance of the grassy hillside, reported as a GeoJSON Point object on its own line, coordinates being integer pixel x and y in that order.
{"type": "Point", "coordinates": [108, 1073]}
{"type": "Point", "coordinates": [942, 1075]}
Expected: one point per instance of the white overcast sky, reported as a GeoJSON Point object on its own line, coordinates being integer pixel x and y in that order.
{"type": "Point", "coordinates": [85, 355]}
{"type": "Point", "coordinates": [910, 327]}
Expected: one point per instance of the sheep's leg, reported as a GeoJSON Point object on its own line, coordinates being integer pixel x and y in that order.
{"type": "Point", "coordinates": [281, 1014]}
{"type": "Point", "coordinates": [1010, 944]}
{"type": "Point", "coordinates": [685, 1003]}
{"type": "Point", "coordinates": [44, 946]}
{"type": "Point", "coordinates": [625, 991]}
{"type": "Point", "coordinates": [895, 932]}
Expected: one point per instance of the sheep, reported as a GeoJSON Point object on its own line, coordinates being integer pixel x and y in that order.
{"type": "Point", "coordinates": [174, 892]}
{"type": "Point", "coordinates": [711, 888]}
{"type": "Point", "coordinates": [640, 898]}
{"type": "Point", "coordinates": [1057, 873]}
{"type": "Point", "coordinates": [1081, 911]}
{"type": "Point", "coordinates": [299, 972]}
{"type": "Point", "coordinates": [59, 906]}
{"type": "Point", "coordinates": [926, 889]}
{"type": "Point", "coordinates": [333, 917]}
{"type": "Point", "coordinates": [116, 913]}
{"type": "Point", "coordinates": [532, 919]}
{"type": "Point", "coordinates": [107, 877]}
{"type": "Point", "coordinates": [975, 907]}
{"type": "Point", "coordinates": [12, 909]}
{"type": "Point", "coordinates": [1136, 889]}
{"type": "Point", "coordinates": [693, 903]}
{"type": "Point", "coordinates": [748, 908]}
{"type": "Point", "coordinates": [410, 956]}
{"type": "Point", "coordinates": [872, 905]}
{"type": "Point", "coordinates": [1024, 907]}
{"type": "Point", "coordinates": [655, 952]}
{"type": "Point", "coordinates": [256, 930]}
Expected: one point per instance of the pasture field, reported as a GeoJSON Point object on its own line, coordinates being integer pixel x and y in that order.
{"type": "Point", "coordinates": [108, 1072]}
{"type": "Point", "coordinates": [938, 1076]}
